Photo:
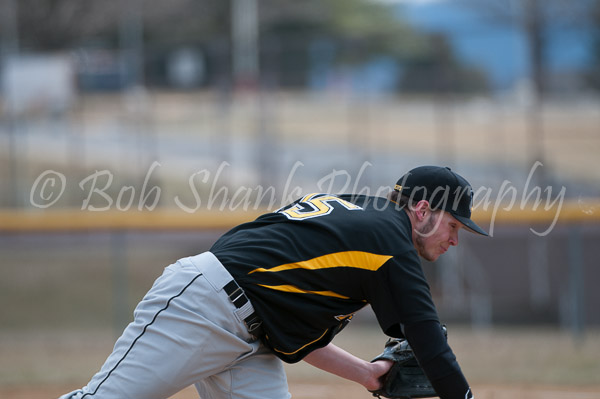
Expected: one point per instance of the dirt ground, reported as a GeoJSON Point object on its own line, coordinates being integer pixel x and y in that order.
{"type": "Point", "coordinates": [341, 389]}
{"type": "Point", "coordinates": [500, 364]}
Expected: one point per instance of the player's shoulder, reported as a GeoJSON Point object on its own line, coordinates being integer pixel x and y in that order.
{"type": "Point", "coordinates": [367, 202]}
{"type": "Point", "coordinates": [341, 208]}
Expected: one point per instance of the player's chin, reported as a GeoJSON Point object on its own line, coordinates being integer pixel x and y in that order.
{"type": "Point", "coordinates": [434, 255]}
{"type": "Point", "coordinates": [431, 256]}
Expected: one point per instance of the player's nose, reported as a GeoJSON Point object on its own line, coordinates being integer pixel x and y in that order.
{"type": "Point", "coordinates": [453, 240]}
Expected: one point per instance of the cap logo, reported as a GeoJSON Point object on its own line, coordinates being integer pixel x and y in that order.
{"type": "Point", "coordinates": [472, 204]}
{"type": "Point", "coordinates": [398, 187]}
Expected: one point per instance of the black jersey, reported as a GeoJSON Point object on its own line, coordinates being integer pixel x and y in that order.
{"type": "Point", "coordinates": [308, 267]}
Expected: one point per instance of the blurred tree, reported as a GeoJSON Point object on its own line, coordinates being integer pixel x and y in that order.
{"type": "Point", "coordinates": [350, 32]}
{"type": "Point", "coordinates": [374, 28]}
{"type": "Point", "coordinates": [593, 76]}
{"type": "Point", "coordinates": [357, 30]}
{"type": "Point", "coordinates": [438, 71]}
{"type": "Point", "coordinates": [60, 24]}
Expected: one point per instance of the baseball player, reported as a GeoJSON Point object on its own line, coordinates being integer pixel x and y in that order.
{"type": "Point", "coordinates": [281, 287]}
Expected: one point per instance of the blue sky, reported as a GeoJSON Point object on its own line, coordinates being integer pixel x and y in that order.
{"type": "Point", "coordinates": [501, 50]}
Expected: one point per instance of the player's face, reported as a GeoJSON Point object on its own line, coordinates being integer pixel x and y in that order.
{"type": "Point", "coordinates": [436, 234]}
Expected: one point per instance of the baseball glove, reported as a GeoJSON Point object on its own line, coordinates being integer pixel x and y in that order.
{"type": "Point", "coordinates": [406, 379]}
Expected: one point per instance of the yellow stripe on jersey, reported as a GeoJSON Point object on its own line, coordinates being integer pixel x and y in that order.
{"type": "Point", "coordinates": [356, 259]}
{"type": "Point", "coordinates": [294, 289]}
{"type": "Point", "coordinates": [302, 347]}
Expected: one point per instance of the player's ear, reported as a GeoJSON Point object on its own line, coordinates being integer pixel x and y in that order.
{"type": "Point", "coordinates": [421, 210]}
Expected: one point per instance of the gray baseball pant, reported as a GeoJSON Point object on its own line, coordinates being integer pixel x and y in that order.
{"type": "Point", "coordinates": [186, 331]}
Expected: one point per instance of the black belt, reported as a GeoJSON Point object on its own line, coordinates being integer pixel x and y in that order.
{"type": "Point", "coordinates": [238, 297]}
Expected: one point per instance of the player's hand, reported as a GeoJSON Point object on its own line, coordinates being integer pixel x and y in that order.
{"type": "Point", "coordinates": [378, 370]}
{"type": "Point", "coordinates": [343, 364]}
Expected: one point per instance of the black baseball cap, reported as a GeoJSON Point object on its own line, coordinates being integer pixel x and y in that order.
{"type": "Point", "coordinates": [443, 189]}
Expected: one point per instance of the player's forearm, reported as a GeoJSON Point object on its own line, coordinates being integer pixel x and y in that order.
{"type": "Point", "coordinates": [343, 364]}
{"type": "Point", "coordinates": [437, 359]}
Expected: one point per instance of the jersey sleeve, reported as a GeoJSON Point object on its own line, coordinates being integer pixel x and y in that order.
{"type": "Point", "coordinates": [400, 294]}
{"type": "Point", "coordinates": [437, 359]}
